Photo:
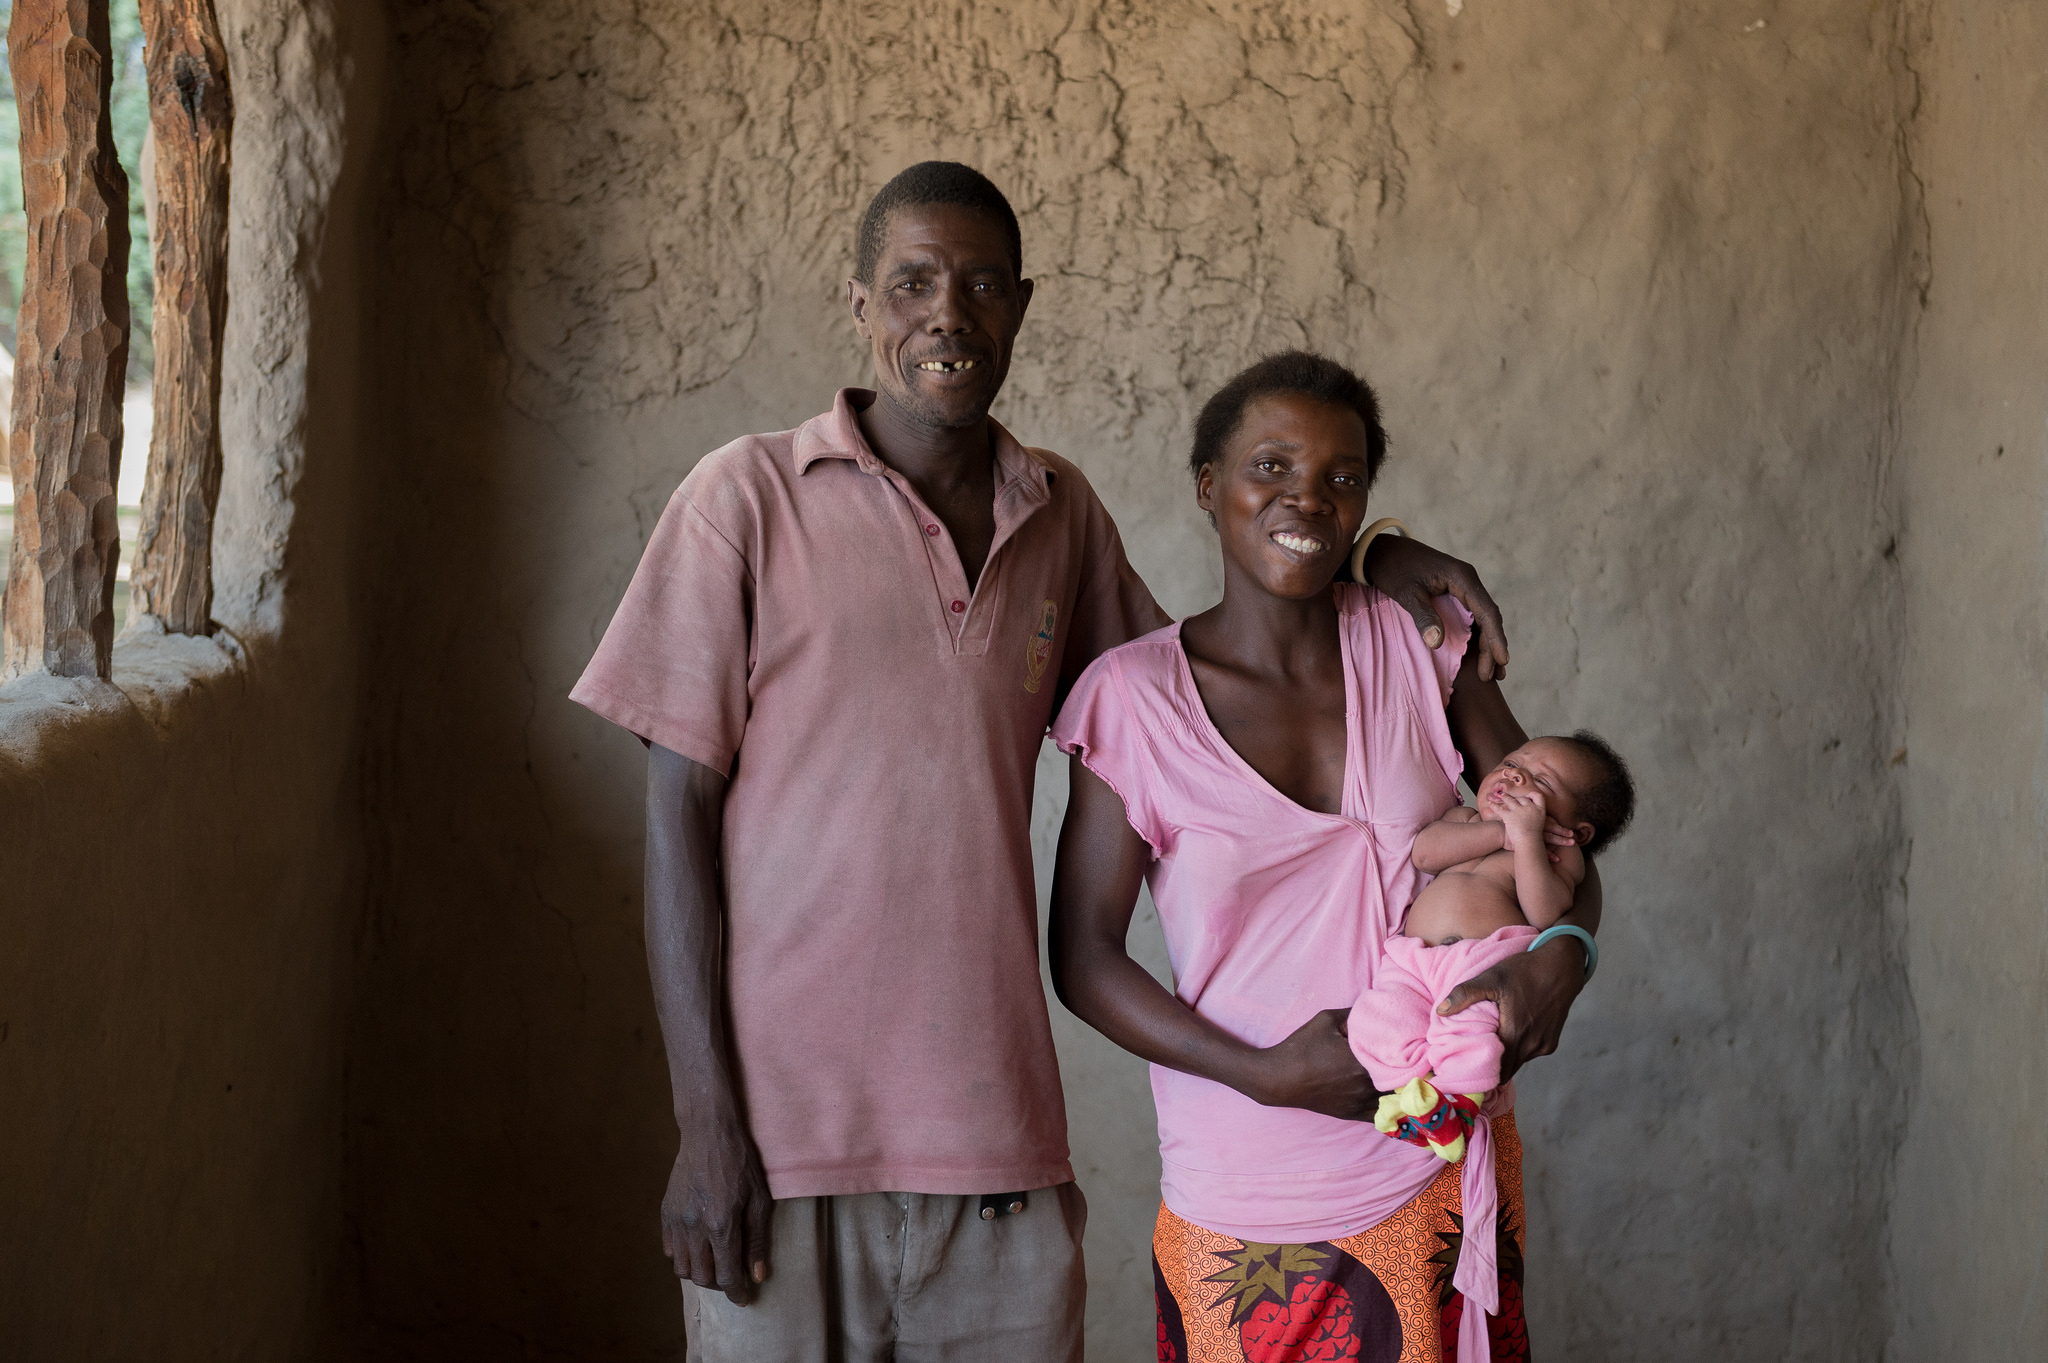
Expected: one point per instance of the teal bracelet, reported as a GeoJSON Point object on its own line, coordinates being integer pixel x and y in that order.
{"type": "Point", "coordinates": [1571, 930]}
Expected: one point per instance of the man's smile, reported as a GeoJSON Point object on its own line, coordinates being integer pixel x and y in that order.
{"type": "Point", "coordinates": [948, 366]}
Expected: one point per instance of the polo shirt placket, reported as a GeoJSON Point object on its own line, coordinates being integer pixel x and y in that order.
{"type": "Point", "coordinates": [965, 618]}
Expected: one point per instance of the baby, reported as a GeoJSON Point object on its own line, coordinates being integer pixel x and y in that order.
{"type": "Point", "coordinates": [1504, 871]}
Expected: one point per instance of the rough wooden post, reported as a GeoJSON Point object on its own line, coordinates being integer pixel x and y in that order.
{"type": "Point", "coordinates": [72, 356]}
{"type": "Point", "coordinates": [191, 112]}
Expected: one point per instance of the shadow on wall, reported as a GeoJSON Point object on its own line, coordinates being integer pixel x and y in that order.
{"type": "Point", "coordinates": [509, 1127]}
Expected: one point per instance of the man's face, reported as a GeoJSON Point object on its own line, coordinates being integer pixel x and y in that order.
{"type": "Point", "coordinates": [942, 313]}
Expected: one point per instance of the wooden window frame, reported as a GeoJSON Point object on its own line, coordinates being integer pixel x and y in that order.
{"type": "Point", "coordinates": [64, 443]}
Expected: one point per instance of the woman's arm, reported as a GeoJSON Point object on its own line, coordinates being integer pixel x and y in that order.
{"type": "Point", "coordinates": [1094, 889]}
{"type": "Point", "coordinates": [1534, 990]}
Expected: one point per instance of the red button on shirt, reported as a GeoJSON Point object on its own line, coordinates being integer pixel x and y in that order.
{"type": "Point", "coordinates": [959, 606]}
{"type": "Point", "coordinates": [931, 530]}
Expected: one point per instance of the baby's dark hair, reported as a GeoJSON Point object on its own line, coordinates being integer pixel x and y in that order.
{"type": "Point", "coordinates": [1290, 371]}
{"type": "Point", "coordinates": [1610, 801]}
{"type": "Point", "coordinates": [933, 182]}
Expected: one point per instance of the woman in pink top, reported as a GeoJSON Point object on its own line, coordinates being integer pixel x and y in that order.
{"type": "Point", "coordinates": [1265, 766]}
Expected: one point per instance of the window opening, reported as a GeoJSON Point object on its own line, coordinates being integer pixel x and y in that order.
{"type": "Point", "coordinates": [114, 102]}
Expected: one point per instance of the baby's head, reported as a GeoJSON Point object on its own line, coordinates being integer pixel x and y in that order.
{"type": "Point", "coordinates": [1585, 785]}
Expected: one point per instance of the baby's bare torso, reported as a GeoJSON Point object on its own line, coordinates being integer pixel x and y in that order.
{"type": "Point", "coordinates": [1470, 900]}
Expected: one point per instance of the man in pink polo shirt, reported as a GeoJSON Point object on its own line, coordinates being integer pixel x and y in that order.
{"type": "Point", "coordinates": [844, 645]}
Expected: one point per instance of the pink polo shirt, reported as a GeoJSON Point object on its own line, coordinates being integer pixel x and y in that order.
{"type": "Point", "coordinates": [801, 620]}
{"type": "Point", "coordinates": [1273, 912]}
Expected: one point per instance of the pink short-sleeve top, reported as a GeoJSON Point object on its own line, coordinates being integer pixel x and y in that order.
{"type": "Point", "coordinates": [1273, 912]}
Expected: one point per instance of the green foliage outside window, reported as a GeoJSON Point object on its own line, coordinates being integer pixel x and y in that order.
{"type": "Point", "coordinates": [131, 123]}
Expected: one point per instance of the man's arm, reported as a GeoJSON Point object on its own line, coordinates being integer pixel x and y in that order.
{"type": "Point", "coordinates": [1415, 575]}
{"type": "Point", "coordinates": [1459, 836]}
{"type": "Point", "coordinates": [1535, 989]}
{"type": "Point", "coordinates": [715, 1216]}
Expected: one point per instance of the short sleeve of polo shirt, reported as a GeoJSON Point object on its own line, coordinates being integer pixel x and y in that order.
{"type": "Point", "coordinates": [1101, 724]}
{"type": "Point", "coordinates": [673, 664]}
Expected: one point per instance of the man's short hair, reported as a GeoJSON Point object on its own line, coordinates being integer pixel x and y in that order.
{"type": "Point", "coordinates": [1291, 371]}
{"type": "Point", "coordinates": [933, 182]}
{"type": "Point", "coordinates": [1610, 801]}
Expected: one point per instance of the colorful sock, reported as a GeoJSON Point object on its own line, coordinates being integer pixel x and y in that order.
{"type": "Point", "coordinates": [1438, 1122]}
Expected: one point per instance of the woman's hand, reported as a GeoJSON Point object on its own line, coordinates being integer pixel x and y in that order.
{"type": "Point", "coordinates": [1094, 888]}
{"type": "Point", "coordinates": [1534, 992]}
{"type": "Point", "coordinates": [1315, 1069]}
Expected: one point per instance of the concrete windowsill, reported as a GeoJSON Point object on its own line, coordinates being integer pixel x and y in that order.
{"type": "Point", "coordinates": [154, 674]}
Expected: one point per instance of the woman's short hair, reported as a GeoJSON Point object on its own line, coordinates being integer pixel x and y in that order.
{"type": "Point", "coordinates": [1290, 371]}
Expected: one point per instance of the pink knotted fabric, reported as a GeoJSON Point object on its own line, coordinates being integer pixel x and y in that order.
{"type": "Point", "coordinates": [1398, 1035]}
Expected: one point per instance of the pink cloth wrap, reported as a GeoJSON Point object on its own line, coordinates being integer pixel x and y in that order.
{"type": "Point", "coordinates": [1398, 1035]}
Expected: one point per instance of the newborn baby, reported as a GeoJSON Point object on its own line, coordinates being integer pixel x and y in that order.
{"type": "Point", "coordinates": [1504, 871]}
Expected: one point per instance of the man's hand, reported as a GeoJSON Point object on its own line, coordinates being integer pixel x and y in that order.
{"type": "Point", "coordinates": [715, 1216]}
{"type": "Point", "coordinates": [1415, 575]}
{"type": "Point", "coordinates": [1315, 1069]}
{"type": "Point", "coordinates": [1534, 992]}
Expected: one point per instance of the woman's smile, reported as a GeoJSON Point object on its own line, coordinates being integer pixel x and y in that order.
{"type": "Point", "coordinates": [1307, 545]}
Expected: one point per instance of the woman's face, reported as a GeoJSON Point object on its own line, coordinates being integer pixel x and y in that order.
{"type": "Point", "coordinates": [1288, 494]}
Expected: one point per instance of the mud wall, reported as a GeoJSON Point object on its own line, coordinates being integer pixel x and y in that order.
{"type": "Point", "coordinates": [1970, 1228]}
{"type": "Point", "coordinates": [182, 845]}
{"type": "Point", "coordinates": [1633, 282]}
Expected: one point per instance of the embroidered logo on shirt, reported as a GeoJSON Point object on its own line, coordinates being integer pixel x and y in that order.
{"type": "Point", "coordinates": [1038, 654]}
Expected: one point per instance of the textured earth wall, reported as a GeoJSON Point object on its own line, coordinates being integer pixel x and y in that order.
{"type": "Point", "coordinates": [1970, 1225]}
{"type": "Point", "coordinates": [1632, 281]}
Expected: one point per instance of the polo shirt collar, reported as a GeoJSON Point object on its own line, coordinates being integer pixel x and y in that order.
{"type": "Point", "coordinates": [837, 435]}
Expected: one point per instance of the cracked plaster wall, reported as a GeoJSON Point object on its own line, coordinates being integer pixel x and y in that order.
{"type": "Point", "coordinates": [182, 844]}
{"type": "Point", "coordinates": [1633, 282]}
{"type": "Point", "coordinates": [1969, 1234]}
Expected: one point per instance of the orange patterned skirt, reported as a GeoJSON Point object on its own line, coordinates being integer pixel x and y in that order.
{"type": "Point", "coordinates": [1384, 1296]}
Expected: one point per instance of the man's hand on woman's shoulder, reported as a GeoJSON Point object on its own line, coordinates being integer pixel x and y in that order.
{"type": "Point", "coordinates": [1415, 575]}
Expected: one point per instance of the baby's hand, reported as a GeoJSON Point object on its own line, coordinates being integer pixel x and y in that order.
{"type": "Point", "coordinates": [1524, 818]}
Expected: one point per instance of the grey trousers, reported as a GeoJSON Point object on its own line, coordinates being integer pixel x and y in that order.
{"type": "Point", "coordinates": [906, 1278]}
